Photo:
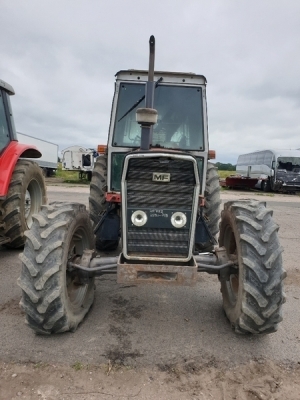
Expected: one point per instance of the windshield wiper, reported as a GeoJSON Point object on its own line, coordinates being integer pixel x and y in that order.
{"type": "Point", "coordinates": [139, 101]}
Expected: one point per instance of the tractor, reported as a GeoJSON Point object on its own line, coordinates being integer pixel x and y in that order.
{"type": "Point", "coordinates": [22, 185]}
{"type": "Point", "coordinates": [155, 200]}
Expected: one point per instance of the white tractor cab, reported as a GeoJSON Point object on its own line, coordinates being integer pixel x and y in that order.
{"type": "Point", "coordinates": [180, 100]}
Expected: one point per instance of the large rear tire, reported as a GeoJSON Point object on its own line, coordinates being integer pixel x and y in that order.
{"type": "Point", "coordinates": [26, 195]}
{"type": "Point", "coordinates": [253, 295]}
{"type": "Point", "coordinates": [211, 212]}
{"type": "Point", "coordinates": [54, 297]}
{"type": "Point", "coordinates": [97, 202]}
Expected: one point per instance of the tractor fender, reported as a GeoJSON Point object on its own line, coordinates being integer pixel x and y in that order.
{"type": "Point", "coordinates": [8, 160]}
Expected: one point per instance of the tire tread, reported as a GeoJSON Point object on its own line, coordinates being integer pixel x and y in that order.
{"type": "Point", "coordinates": [12, 209]}
{"type": "Point", "coordinates": [260, 263]}
{"type": "Point", "coordinates": [43, 292]}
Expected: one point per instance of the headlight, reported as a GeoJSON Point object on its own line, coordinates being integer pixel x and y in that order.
{"type": "Point", "coordinates": [178, 219]}
{"type": "Point", "coordinates": [139, 218]}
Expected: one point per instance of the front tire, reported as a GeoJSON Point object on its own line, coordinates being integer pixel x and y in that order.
{"type": "Point", "coordinates": [26, 195]}
{"type": "Point", "coordinates": [54, 297]}
{"type": "Point", "coordinates": [253, 295]}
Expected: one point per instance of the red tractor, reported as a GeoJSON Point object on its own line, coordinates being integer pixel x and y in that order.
{"type": "Point", "coordinates": [22, 186]}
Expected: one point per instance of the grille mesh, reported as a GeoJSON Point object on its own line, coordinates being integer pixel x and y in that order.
{"type": "Point", "coordinates": [143, 193]}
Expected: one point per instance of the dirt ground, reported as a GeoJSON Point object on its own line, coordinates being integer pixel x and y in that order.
{"type": "Point", "coordinates": [258, 379]}
{"type": "Point", "coordinates": [269, 377]}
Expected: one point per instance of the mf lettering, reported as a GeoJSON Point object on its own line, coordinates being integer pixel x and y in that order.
{"type": "Point", "coordinates": [161, 177]}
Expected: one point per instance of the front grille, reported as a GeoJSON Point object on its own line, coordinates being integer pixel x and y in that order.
{"type": "Point", "coordinates": [143, 192]}
{"type": "Point", "coordinates": [161, 195]}
{"type": "Point", "coordinates": [158, 238]}
{"type": "Point", "coordinates": [160, 242]}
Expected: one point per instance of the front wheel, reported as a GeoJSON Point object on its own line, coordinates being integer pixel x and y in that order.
{"type": "Point", "coordinates": [55, 298]}
{"type": "Point", "coordinates": [253, 293]}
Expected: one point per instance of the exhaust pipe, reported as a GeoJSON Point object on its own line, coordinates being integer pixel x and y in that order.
{"type": "Point", "coordinates": [147, 117]}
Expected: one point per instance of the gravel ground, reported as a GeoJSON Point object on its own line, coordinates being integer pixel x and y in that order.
{"type": "Point", "coordinates": [154, 342]}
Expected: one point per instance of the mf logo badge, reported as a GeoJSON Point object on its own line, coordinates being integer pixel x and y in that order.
{"type": "Point", "coordinates": [161, 177]}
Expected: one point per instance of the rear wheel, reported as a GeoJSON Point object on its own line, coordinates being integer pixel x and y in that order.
{"type": "Point", "coordinates": [97, 202]}
{"type": "Point", "coordinates": [54, 296]}
{"type": "Point", "coordinates": [26, 194]}
{"type": "Point", "coordinates": [211, 212]}
{"type": "Point", "coordinates": [253, 294]}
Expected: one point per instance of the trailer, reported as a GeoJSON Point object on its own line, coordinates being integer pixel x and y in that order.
{"type": "Point", "coordinates": [268, 170]}
{"type": "Point", "coordinates": [48, 161]}
{"type": "Point", "coordinates": [240, 182]}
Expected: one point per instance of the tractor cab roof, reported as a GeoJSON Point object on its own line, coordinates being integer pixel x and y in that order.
{"type": "Point", "coordinates": [9, 89]}
{"type": "Point", "coordinates": [168, 77]}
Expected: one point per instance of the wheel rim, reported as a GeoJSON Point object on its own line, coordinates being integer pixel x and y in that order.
{"type": "Point", "coordinates": [27, 204]}
{"type": "Point", "coordinates": [33, 201]}
{"type": "Point", "coordinates": [231, 249]}
{"type": "Point", "coordinates": [76, 290]}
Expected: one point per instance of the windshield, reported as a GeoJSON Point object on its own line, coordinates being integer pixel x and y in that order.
{"type": "Point", "coordinates": [289, 163]}
{"type": "Point", "coordinates": [180, 117]}
{"type": "Point", "coordinates": [4, 133]}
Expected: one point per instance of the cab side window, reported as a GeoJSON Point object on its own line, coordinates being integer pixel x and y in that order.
{"type": "Point", "coordinates": [4, 132]}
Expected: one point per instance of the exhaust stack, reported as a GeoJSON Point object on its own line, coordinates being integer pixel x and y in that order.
{"type": "Point", "coordinates": [147, 117]}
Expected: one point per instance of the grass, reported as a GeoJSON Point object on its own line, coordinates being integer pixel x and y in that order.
{"type": "Point", "coordinates": [77, 366]}
{"type": "Point", "coordinates": [69, 176]}
{"type": "Point", "coordinates": [224, 174]}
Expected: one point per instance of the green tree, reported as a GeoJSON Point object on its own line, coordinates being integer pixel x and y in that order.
{"type": "Point", "coordinates": [225, 167]}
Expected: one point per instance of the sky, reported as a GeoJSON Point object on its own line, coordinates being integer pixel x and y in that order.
{"type": "Point", "coordinates": [61, 56]}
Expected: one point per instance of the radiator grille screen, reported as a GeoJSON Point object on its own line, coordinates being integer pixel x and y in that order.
{"type": "Point", "coordinates": [158, 238]}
